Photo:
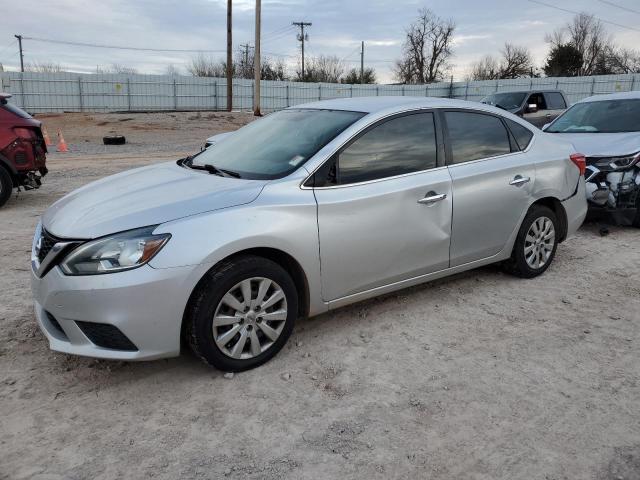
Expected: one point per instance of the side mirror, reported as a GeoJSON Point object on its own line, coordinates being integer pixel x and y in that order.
{"type": "Point", "coordinates": [544, 127]}
{"type": "Point", "coordinates": [532, 108]}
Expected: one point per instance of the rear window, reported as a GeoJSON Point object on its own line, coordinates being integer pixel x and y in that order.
{"type": "Point", "coordinates": [522, 134]}
{"type": "Point", "coordinates": [555, 101]}
{"type": "Point", "coordinates": [476, 135]}
{"type": "Point", "coordinates": [13, 109]}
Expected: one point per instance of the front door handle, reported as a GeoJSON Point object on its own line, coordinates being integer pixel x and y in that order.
{"type": "Point", "coordinates": [432, 197]}
{"type": "Point", "coordinates": [519, 180]}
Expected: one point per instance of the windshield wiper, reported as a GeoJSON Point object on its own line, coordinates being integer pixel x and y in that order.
{"type": "Point", "coordinates": [188, 162]}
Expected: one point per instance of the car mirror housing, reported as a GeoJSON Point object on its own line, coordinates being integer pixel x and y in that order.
{"type": "Point", "coordinates": [532, 108]}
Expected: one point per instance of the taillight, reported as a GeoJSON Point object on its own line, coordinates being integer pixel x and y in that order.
{"type": "Point", "coordinates": [580, 161]}
{"type": "Point", "coordinates": [25, 133]}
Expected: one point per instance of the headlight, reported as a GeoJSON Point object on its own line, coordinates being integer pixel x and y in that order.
{"type": "Point", "coordinates": [617, 163]}
{"type": "Point", "coordinates": [122, 251]}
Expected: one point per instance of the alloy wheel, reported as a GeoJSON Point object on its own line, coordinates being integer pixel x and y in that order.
{"type": "Point", "coordinates": [249, 318]}
{"type": "Point", "coordinates": [539, 242]}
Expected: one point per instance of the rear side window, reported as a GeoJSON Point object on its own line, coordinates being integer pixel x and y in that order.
{"type": "Point", "coordinates": [475, 135]}
{"type": "Point", "coordinates": [401, 145]}
{"type": "Point", "coordinates": [522, 134]}
{"type": "Point", "coordinates": [555, 101]}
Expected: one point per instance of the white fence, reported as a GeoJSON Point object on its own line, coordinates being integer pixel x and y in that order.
{"type": "Point", "coordinates": [58, 92]}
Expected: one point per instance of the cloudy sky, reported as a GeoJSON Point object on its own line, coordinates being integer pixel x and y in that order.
{"type": "Point", "coordinates": [338, 27]}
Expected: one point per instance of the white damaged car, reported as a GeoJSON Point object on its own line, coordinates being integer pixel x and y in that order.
{"type": "Point", "coordinates": [606, 129]}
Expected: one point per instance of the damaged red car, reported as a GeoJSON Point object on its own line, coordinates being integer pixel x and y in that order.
{"type": "Point", "coordinates": [22, 150]}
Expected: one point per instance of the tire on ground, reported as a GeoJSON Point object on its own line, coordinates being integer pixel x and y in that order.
{"type": "Point", "coordinates": [517, 265]}
{"type": "Point", "coordinates": [198, 329]}
{"type": "Point", "coordinates": [114, 140]}
{"type": "Point", "coordinates": [6, 185]}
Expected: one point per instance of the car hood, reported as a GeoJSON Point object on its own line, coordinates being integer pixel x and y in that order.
{"type": "Point", "coordinates": [603, 144]}
{"type": "Point", "coordinates": [144, 196]}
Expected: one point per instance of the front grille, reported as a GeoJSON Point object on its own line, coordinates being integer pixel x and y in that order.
{"type": "Point", "coordinates": [55, 324]}
{"type": "Point", "coordinates": [106, 336]}
{"type": "Point", "coordinates": [47, 243]}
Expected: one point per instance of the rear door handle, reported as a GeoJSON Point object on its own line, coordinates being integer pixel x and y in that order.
{"type": "Point", "coordinates": [432, 197]}
{"type": "Point", "coordinates": [519, 180]}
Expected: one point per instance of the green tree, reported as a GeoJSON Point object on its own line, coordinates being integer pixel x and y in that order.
{"type": "Point", "coordinates": [353, 76]}
{"type": "Point", "coordinates": [564, 60]}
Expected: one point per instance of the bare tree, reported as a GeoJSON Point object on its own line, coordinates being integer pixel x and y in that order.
{"type": "Point", "coordinates": [588, 36]}
{"type": "Point", "coordinates": [487, 68]}
{"type": "Point", "coordinates": [515, 62]}
{"type": "Point", "coordinates": [623, 60]}
{"type": "Point", "coordinates": [119, 68]}
{"type": "Point", "coordinates": [206, 66]}
{"type": "Point", "coordinates": [269, 69]}
{"type": "Point", "coordinates": [172, 70]}
{"type": "Point", "coordinates": [324, 68]}
{"type": "Point", "coordinates": [43, 67]}
{"type": "Point", "coordinates": [1, 68]}
{"type": "Point", "coordinates": [426, 50]}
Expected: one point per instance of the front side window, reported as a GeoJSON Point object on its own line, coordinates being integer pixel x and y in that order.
{"type": "Point", "coordinates": [278, 144]}
{"type": "Point", "coordinates": [538, 100]}
{"type": "Point", "coordinates": [401, 145]}
{"type": "Point", "coordinates": [475, 135]}
{"type": "Point", "coordinates": [555, 101]}
{"type": "Point", "coordinates": [600, 116]}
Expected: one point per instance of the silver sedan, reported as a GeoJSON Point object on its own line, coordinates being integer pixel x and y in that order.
{"type": "Point", "coordinates": [306, 210]}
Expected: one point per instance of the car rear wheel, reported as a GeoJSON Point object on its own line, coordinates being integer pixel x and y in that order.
{"type": "Point", "coordinates": [6, 186]}
{"type": "Point", "coordinates": [536, 243]}
{"type": "Point", "coordinates": [242, 313]}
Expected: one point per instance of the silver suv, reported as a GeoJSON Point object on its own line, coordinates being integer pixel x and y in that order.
{"type": "Point", "coordinates": [304, 211]}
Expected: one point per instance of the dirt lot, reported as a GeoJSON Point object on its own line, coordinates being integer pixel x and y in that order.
{"type": "Point", "coordinates": [479, 376]}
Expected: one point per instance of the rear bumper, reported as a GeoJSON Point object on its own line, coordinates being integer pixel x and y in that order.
{"type": "Point", "coordinates": [576, 208]}
{"type": "Point", "coordinates": [146, 305]}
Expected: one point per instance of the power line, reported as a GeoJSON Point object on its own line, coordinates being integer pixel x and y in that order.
{"type": "Point", "coordinates": [8, 46]}
{"type": "Point", "coordinates": [578, 13]}
{"type": "Point", "coordinates": [620, 6]}
{"type": "Point", "coordinates": [120, 47]}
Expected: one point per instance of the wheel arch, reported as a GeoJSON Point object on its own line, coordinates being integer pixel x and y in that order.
{"type": "Point", "coordinates": [285, 260]}
{"type": "Point", "coordinates": [555, 205]}
{"type": "Point", "coordinates": [9, 167]}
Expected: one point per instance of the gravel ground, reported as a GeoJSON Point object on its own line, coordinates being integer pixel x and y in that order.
{"type": "Point", "coordinates": [478, 376]}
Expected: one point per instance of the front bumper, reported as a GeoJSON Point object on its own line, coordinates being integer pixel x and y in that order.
{"type": "Point", "coordinates": [145, 304]}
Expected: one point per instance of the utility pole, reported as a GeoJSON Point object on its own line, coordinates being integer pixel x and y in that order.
{"type": "Point", "coordinates": [19, 37]}
{"type": "Point", "coordinates": [362, 63]}
{"type": "Point", "coordinates": [301, 38]}
{"type": "Point", "coordinates": [256, 64]}
{"type": "Point", "coordinates": [229, 60]}
{"type": "Point", "coordinates": [245, 55]}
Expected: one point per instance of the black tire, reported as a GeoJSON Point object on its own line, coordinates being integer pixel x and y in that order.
{"type": "Point", "coordinates": [207, 296]}
{"type": "Point", "coordinates": [6, 186]}
{"type": "Point", "coordinates": [517, 265]}
{"type": "Point", "coordinates": [636, 219]}
{"type": "Point", "coordinates": [114, 140]}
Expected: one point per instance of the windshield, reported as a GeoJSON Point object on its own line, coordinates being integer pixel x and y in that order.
{"type": "Point", "coordinates": [13, 109]}
{"type": "Point", "coordinates": [278, 144]}
{"type": "Point", "coordinates": [600, 116]}
{"type": "Point", "coordinates": [507, 101]}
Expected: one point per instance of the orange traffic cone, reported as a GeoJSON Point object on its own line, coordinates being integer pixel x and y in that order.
{"type": "Point", "coordinates": [45, 134]}
{"type": "Point", "coordinates": [62, 145]}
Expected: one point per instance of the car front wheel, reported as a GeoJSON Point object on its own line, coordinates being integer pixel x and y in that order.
{"type": "Point", "coordinates": [242, 313]}
{"type": "Point", "coordinates": [6, 186]}
{"type": "Point", "coordinates": [536, 243]}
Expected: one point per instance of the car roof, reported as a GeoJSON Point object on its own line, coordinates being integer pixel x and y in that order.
{"type": "Point", "coordinates": [612, 96]}
{"type": "Point", "coordinates": [5, 95]}
{"type": "Point", "coordinates": [391, 103]}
